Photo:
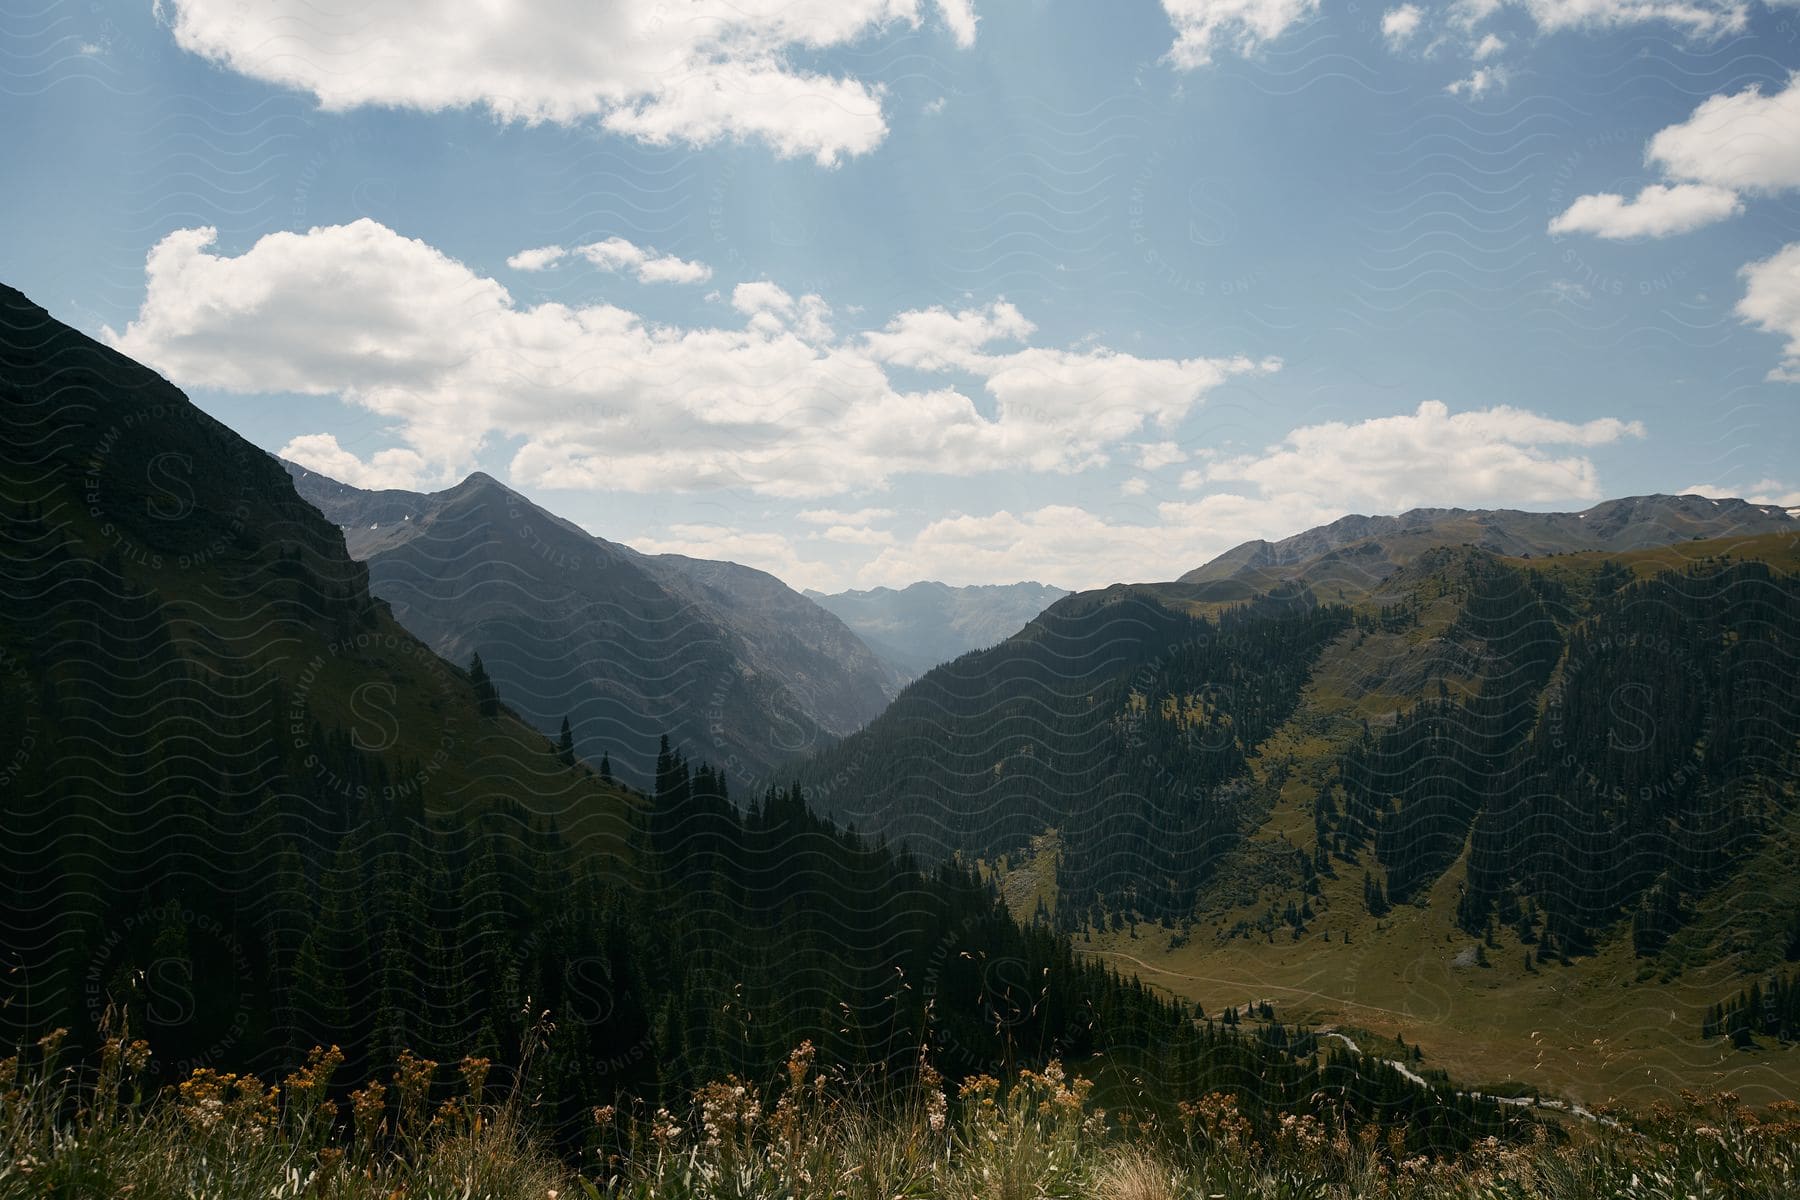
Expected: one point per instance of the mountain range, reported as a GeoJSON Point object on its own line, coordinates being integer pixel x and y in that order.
{"type": "Point", "coordinates": [725, 659]}
{"type": "Point", "coordinates": [1358, 552]}
{"type": "Point", "coordinates": [914, 628]}
{"type": "Point", "coordinates": [1476, 731]}
{"type": "Point", "coordinates": [1133, 718]}
{"type": "Point", "coordinates": [248, 813]}
{"type": "Point", "coordinates": [1450, 771]}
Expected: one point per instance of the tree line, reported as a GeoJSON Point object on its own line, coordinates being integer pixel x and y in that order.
{"type": "Point", "coordinates": [1604, 754]}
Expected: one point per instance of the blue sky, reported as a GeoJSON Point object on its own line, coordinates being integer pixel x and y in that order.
{"type": "Point", "coordinates": [901, 290]}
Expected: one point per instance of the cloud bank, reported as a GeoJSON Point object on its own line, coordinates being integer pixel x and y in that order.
{"type": "Point", "coordinates": [601, 398]}
{"type": "Point", "coordinates": [694, 73]}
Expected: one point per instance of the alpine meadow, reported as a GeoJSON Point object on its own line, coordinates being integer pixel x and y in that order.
{"type": "Point", "coordinates": [682, 600]}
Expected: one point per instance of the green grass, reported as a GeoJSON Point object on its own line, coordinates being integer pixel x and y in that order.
{"type": "Point", "coordinates": [1780, 550]}
{"type": "Point", "coordinates": [811, 1133]}
{"type": "Point", "coordinates": [1028, 878]}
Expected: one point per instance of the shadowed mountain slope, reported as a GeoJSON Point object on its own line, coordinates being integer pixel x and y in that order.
{"type": "Point", "coordinates": [202, 707]}
{"type": "Point", "coordinates": [727, 660]}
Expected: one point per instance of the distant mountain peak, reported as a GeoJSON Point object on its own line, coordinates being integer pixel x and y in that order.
{"type": "Point", "coordinates": [725, 659]}
{"type": "Point", "coordinates": [480, 481]}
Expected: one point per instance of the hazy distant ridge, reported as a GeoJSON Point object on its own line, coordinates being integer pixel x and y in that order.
{"type": "Point", "coordinates": [917, 627]}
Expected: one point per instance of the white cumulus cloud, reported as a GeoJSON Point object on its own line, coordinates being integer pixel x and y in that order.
{"type": "Point", "coordinates": [1399, 24]}
{"type": "Point", "coordinates": [1656, 211]}
{"type": "Point", "coordinates": [618, 255]}
{"type": "Point", "coordinates": [1746, 142]}
{"type": "Point", "coordinates": [539, 258]}
{"type": "Point", "coordinates": [391, 468]}
{"type": "Point", "coordinates": [1201, 26]}
{"type": "Point", "coordinates": [1702, 17]}
{"type": "Point", "coordinates": [1458, 27]}
{"type": "Point", "coordinates": [599, 398]}
{"type": "Point", "coordinates": [1487, 47]}
{"type": "Point", "coordinates": [761, 296]}
{"type": "Point", "coordinates": [1478, 82]}
{"type": "Point", "coordinates": [1204, 26]}
{"type": "Point", "coordinates": [696, 72]}
{"type": "Point", "coordinates": [959, 18]}
{"type": "Point", "coordinates": [1772, 303]}
{"type": "Point", "coordinates": [1430, 456]}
